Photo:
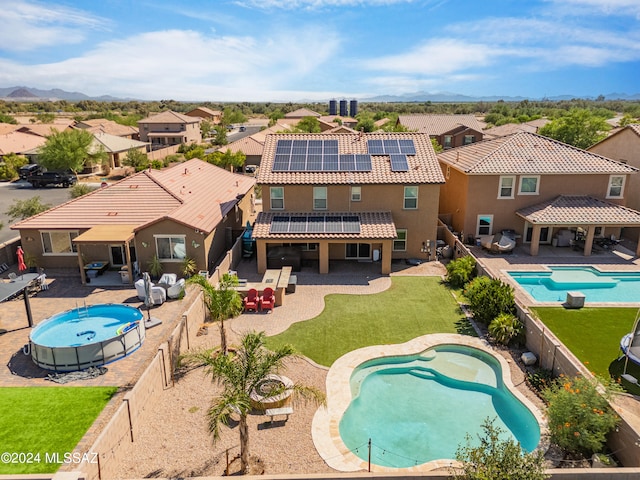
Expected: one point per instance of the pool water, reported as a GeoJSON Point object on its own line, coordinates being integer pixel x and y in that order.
{"type": "Point", "coordinates": [419, 408]}
{"type": "Point", "coordinates": [553, 285]}
{"type": "Point", "coordinates": [82, 326]}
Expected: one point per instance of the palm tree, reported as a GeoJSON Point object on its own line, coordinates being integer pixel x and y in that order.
{"type": "Point", "coordinates": [239, 374]}
{"type": "Point", "coordinates": [222, 303]}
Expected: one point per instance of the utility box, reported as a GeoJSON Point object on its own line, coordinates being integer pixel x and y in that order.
{"type": "Point", "coordinates": [575, 300]}
{"type": "Point", "coordinates": [528, 358]}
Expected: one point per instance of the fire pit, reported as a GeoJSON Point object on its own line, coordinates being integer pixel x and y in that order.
{"type": "Point", "coordinates": [263, 397]}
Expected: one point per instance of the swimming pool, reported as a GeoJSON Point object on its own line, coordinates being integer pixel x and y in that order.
{"type": "Point", "coordinates": [86, 337]}
{"type": "Point", "coordinates": [417, 408]}
{"type": "Point", "coordinates": [552, 285]}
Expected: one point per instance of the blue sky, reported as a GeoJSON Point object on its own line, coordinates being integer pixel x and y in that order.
{"type": "Point", "coordinates": [293, 50]}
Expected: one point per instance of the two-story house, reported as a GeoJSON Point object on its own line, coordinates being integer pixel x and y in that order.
{"type": "Point", "coordinates": [169, 128]}
{"type": "Point", "coordinates": [535, 186]}
{"type": "Point", "coordinates": [213, 116]}
{"type": "Point", "coordinates": [449, 130]}
{"type": "Point", "coordinates": [361, 197]}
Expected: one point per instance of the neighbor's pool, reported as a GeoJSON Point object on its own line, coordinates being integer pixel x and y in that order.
{"type": "Point", "coordinates": [597, 286]}
{"type": "Point", "coordinates": [419, 408]}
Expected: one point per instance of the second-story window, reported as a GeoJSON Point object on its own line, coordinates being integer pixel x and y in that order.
{"type": "Point", "coordinates": [277, 198]}
{"type": "Point", "coordinates": [447, 141]}
{"type": "Point", "coordinates": [319, 198]}
{"type": "Point", "coordinates": [410, 198]}
{"type": "Point", "coordinates": [529, 185]}
{"type": "Point", "coordinates": [616, 186]}
{"type": "Point", "coordinates": [468, 139]}
{"type": "Point", "coordinates": [356, 193]}
{"type": "Point", "coordinates": [506, 187]}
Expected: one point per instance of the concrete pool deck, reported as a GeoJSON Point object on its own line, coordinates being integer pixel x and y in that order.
{"type": "Point", "coordinates": [326, 421]}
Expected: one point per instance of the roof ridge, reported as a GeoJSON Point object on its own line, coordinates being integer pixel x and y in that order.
{"type": "Point", "coordinates": [147, 172]}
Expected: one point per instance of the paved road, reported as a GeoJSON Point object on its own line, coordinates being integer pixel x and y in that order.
{"type": "Point", "coordinates": [23, 191]}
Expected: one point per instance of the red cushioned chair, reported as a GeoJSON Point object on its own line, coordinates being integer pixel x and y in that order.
{"type": "Point", "coordinates": [267, 300]}
{"type": "Point", "coordinates": [251, 300]}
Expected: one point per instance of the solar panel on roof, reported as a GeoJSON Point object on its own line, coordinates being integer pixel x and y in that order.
{"type": "Point", "coordinates": [363, 163]}
{"type": "Point", "coordinates": [330, 146]}
{"type": "Point", "coordinates": [407, 147]}
{"type": "Point", "coordinates": [399, 163]}
{"type": "Point", "coordinates": [297, 224]}
{"type": "Point", "coordinates": [347, 162]}
{"type": "Point", "coordinates": [375, 147]}
{"type": "Point", "coordinates": [391, 146]}
{"type": "Point", "coordinates": [281, 163]}
{"type": "Point", "coordinates": [315, 224]}
{"type": "Point", "coordinates": [280, 224]}
{"type": "Point", "coordinates": [283, 146]}
{"type": "Point", "coordinates": [314, 163]}
{"type": "Point", "coordinates": [351, 224]}
{"type": "Point", "coordinates": [298, 163]}
{"type": "Point", "coordinates": [330, 163]}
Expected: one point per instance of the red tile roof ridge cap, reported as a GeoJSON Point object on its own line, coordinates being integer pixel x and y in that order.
{"type": "Point", "coordinates": [148, 171]}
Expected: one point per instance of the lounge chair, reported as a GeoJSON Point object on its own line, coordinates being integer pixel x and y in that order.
{"type": "Point", "coordinates": [251, 301]}
{"type": "Point", "coordinates": [268, 299]}
{"type": "Point", "coordinates": [175, 290]}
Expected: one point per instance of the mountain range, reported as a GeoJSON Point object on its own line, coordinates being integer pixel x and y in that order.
{"type": "Point", "coordinates": [22, 93]}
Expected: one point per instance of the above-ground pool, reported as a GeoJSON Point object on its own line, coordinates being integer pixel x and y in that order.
{"type": "Point", "coordinates": [86, 337]}
{"type": "Point", "coordinates": [417, 403]}
{"type": "Point", "coordinates": [552, 285]}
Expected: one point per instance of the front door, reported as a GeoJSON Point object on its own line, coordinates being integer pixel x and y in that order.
{"type": "Point", "coordinates": [117, 255]}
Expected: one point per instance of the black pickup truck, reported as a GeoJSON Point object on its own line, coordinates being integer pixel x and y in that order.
{"type": "Point", "coordinates": [45, 179]}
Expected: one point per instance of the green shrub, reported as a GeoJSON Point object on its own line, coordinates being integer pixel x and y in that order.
{"type": "Point", "coordinates": [579, 416]}
{"type": "Point", "coordinates": [10, 164]}
{"type": "Point", "coordinates": [460, 271]}
{"type": "Point", "coordinates": [539, 379]}
{"type": "Point", "coordinates": [505, 328]}
{"type": "Point", "coordinates": [489, 298]}
{"type": "Point", "coordinates": [157, 164]}
{"type": "Point", "coordinates": [80, 189]}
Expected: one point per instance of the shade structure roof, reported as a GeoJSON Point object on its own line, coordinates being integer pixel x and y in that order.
{"type": "Point", "coordinates": [107, 234]}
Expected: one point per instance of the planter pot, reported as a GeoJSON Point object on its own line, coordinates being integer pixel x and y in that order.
{"type": "Point", "coordinates": [602, 461]}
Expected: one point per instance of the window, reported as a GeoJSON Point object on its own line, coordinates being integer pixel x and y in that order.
{"type": "Point", "coordinates": [319, 198]}
{"type": "Point", "coordinates": [616, 186]}
{"type": "Point", "coordinates": [59, 243]}
{"type": "Point", "coordinates": [529, 185]}
{"type": "Point", "coordinates": [357, 251]}
{"type": "Point", "coordinates": [410, 198]}
{"type": "Point", "coordinates": [485, 225]}
{"type": "Point", "coordinates": [468, 139]}
{"type": "Point", "coordinates": [170, 248]}
{"type": "Point", "coordinates": [447, 141]}
{"type": "Point", "coordinates": [506, 187]}
{"type": "Point", "coordinates": [356, 194]}
{"type": "Point", "coordinates": [277, 198]}
{"type": "Point", "coordinates": [400, 243]}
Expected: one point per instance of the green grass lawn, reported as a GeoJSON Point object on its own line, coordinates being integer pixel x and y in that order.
{"type": "Point", "coordinates": [44, 420]}
{"type": "Point", "coordinates": [592, 334]}
{"type": "Point", "coordinates": [412, 307]}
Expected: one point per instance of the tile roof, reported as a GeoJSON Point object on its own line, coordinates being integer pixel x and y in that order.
{"type": "Point", "coordinates": [194, 193]}
{"type": "Point", "coordinates": [169, 117]}
{"type": "Point", "coordinates": [438, 124]}
{"type": "Point", "coordinates": [508, 129]}
{"type": "Point", "coordinates": [107, 126]}
{"type": "Point", "coordinates": [301, 113]}
{"type": "Point", "coordinates": [525, 152]}
{"type": "Point", "coordinates": [247, 145]}
{"type": "Point", "coordinates": [372, 225]}
{"type": "Point", "coordinates": [113, 143]}
{"type": "Point", "coordinates": [43, 129]}
{"type": "Point", "coordinates": [8, 128]}
{"type": "Point", "coordinates": [635, 127]}
{"type": "Point", "coordinates": [208, 111]}
{"type": "Point", "coordinates": [19, 142]}
{"type": "Point", "coordinates": [577, 209]}
{"type": "Point", "coordinates": [423, 167]}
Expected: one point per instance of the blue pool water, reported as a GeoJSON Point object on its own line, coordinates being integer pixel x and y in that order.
{"type": "Point", "coordinates": [82, 326]}
{"type": "Point", "coordinates": [597, 286]}
{"type": "Point", "coordinates": [419, 408]}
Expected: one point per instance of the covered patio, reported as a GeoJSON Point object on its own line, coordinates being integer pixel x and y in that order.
{"type": "Point", "coordinates": [97, 245]}
{"type": "Point", "coordinates": [590, 214]}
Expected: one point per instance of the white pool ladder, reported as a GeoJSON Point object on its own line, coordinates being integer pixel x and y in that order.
{"type": "Point", "coordinates": [82, 312]}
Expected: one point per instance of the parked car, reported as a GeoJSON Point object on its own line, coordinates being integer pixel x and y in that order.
{"type": "Point", "coordinates": [242, 128]}
{"type": "Point", "coordinates": [44, 179]}
{"type": "Point", "coordinates": [27, 170]}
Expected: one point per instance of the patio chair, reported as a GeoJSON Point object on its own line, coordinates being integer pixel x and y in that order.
{"type": "Point", "coordinates": [140, 289]}
{"type": "Point", "coordinates": [168, 279]}
{"type": "Point", "coordinates": [175, 290]}
{"type": "Point", "coordinates": [158, 295]}
{"type": "Point", "coordinates": [251, 301]}
{"type": "Point", "coordinates": [268, 299]}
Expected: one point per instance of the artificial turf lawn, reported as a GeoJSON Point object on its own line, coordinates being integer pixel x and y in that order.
{"type": "Point", "coordinates": [592, 334]}
{"type": "Point", "coordinates": [45, 420]}
{"type": "Point", "coordinates": [411, 307]}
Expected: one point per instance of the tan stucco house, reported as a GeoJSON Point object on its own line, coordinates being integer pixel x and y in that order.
{"type": "Point", "coordinates": [169, 128]}
{"type": "Point", "coordinates": [359, 197]}
{"type": "Point", "coordinates": [449, 130]}
{"type": "Point", "coordinates": [535, 186]}
{"type": "Point", "coordinates": [189, 210]}
{"type": "Point", "coordinates": [205, 113]}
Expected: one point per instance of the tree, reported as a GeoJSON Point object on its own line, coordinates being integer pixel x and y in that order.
{"type": "Point", "coordinates": [10, 166]}
{"type": "Point", "coordinates": [579, 128]}
{"type": "Point", "coordinates": [365, 122]}
{"type": "Point", "coordinates": [497, 458]}
{"type": "Point", "coordinates": [308, 125]}
{"type": "Point", "coordinates": [221, 303]}
{"type": "Point", "coordinates": [21, 209]}
{"type": "Point", "coordinates": [68, 150]}
{"type": "Point", "coordinates": [136, 159]}
{"type": "Point", "coordinates": [221, 136]}
{"type": "Point", "coordinates": [226, 159]}
{"type": "Point", "coordinates": [241, 373]}
{"type": "Point", "coordinates": [488, 298]}
{"type": "Point", "coordinates": [205, 128]}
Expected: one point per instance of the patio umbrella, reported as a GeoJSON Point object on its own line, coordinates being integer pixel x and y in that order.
{"type": "Point", "coordinates": [21, 265]}
{"type": "Point", "coordinates": [148, 301]}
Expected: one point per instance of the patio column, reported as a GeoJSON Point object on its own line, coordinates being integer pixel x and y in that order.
{"type": "Point", "coordinates": [385, 257]}
{"type": "Point", "coordinates": [638, 250]}
{"type": "Point", "coordinates": [83, 278]}
{"type": "Point", "coordinates": [588, 242]}
{"type": "Point", "coordinates": [535, 240]}
{"type": "Point", "coordinates": [261, 253]}
{"type": "Point", "coordinates": [323, 260]}
{"type": "Point", "coordinates": [127, 255]}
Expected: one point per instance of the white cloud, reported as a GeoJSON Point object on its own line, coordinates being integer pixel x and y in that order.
{"type": "Point", "coordinates": [316, 4]}
{"type": "Point", "coordinates": [186, 65]}
{"type": "Point", "coordinates": [597, 7]}
{"type": "Point", "coordinates": [30, 25]}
